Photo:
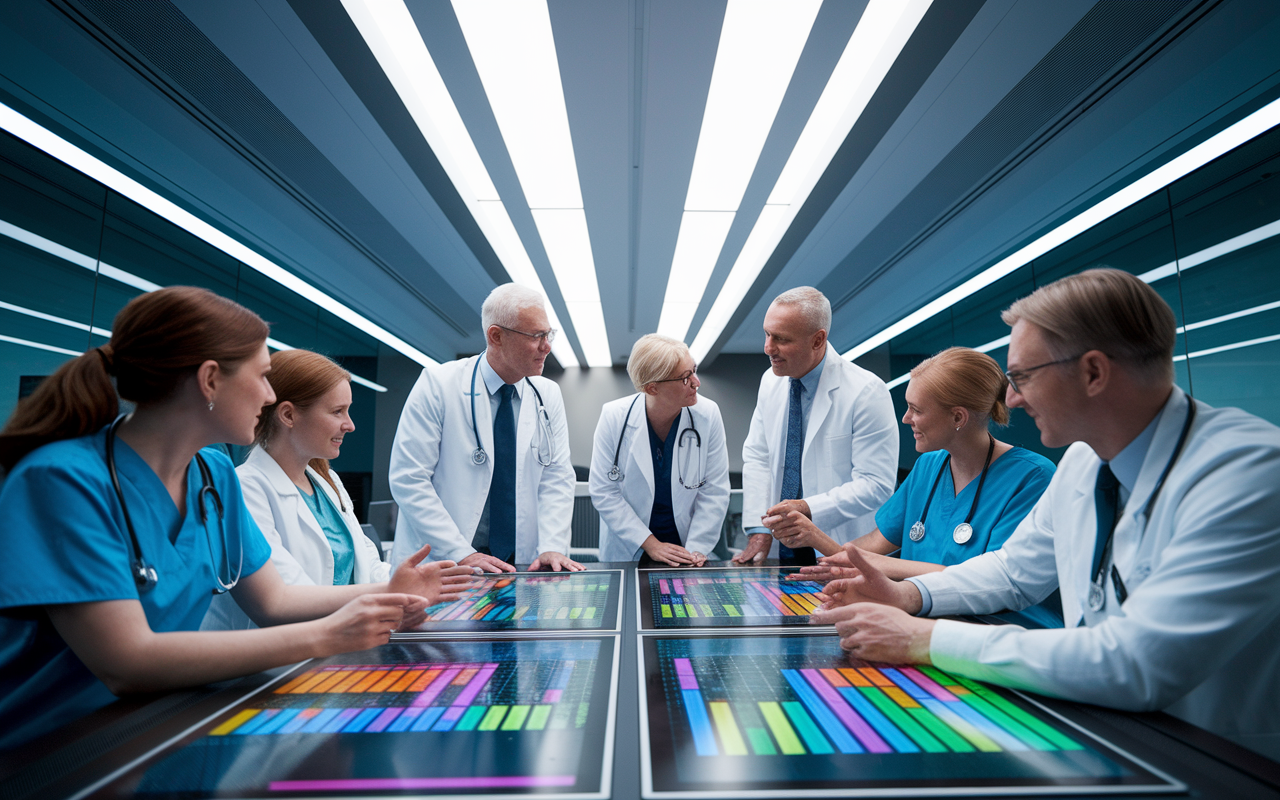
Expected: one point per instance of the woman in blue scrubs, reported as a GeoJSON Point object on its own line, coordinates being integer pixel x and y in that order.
{"type": "Point", "coordinates": [967, 492]}
{"type": "Point", "coordinates": [103, 588]}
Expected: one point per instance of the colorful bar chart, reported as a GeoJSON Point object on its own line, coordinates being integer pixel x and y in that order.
{"type": "Point", "coordinates": [412, 716]}
{"type": "Point", "coordinates": [725, 598]}
{"type": "Point", "coordinates": [523, 601]}
{"type": "Point", "coordinates": [745, 712]}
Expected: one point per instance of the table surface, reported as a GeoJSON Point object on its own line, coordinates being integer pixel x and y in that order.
{"type": "Point", "coordinates": [78, 755]}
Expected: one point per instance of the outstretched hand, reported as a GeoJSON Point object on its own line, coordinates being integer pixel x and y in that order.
{"type": "Point", "coordinates": [365, 622]}
{"type": "Point", "coordinates": [555, 562]}
{"type": "Point", "coordinates": [434, 581]}
{"type": "Point", "coordinates": [875, 632]}
{"type": "Point", "coordinates": [869, 584]}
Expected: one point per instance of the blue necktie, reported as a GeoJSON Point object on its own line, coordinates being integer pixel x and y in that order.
{"type": "Point", "coordinates": [791, 483]}
{"type": "Point", "coordinates": [1106, 497]}
{"type": "Point", "coordinates": [502, 488]}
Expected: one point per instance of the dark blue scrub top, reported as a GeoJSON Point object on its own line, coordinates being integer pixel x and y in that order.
{"type": "Point", "coordinates": [66, 541]}
{"type": "Point", "coordinates": [662, 520]}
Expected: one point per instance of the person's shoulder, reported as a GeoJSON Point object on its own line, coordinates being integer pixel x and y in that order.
{"type": "Point", "coordinates": [1231, 433]}
{"type": "Point", "coordinates": [83, 457]}
{"type": "Point", "coordinates": [220, 464]}
{"type": "Point", "coordinates": [545, 385]}
{"type": "Point", "coordinates": [927, 464]}
{"type": "Point", "coordinates": [1024, 460]}
{"type": "Point", "coordinates": [619, 406]}
{"type": "Point", "coordinates": [854, 376]}
{"type": "Point", "coordinates": [706, 407]}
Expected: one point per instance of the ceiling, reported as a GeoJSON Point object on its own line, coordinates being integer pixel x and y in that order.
{"type": "Point", "coordinates": [274, 120]}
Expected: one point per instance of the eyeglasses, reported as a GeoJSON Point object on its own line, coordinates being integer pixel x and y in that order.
{"type": "Point", "coordinates": [685, 378]}
{"type": "Point", "coordinates": [1017, 375]}
{"type": "Point", "coordinates": [547, 336]}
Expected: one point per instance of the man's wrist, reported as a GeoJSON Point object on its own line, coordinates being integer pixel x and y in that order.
{"type": "Point", "coordinates": [911, 598]}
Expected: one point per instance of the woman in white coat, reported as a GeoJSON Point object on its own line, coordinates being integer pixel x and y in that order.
{"type": "Point", "coordinates": [299, 503]}
{"type": "Point", "coordinates": [660, 469]}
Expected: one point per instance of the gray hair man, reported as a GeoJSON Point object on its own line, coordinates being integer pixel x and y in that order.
{"type": "Point", "coordinates": [480, 465]}
{"type": "Point", "coordinates": [1161, 528]}
{"type": "Point", "coordinates": [823, 441]}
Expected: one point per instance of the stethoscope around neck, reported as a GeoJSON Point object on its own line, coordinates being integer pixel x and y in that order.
{"type": "Point", "coordinates": [964, 531]}
{"type": "Point", "coordinates": [144, 574]}
{"type": "Point", "coordinates": [615, 473]}
{"type": "Point", "coordinates": [479, 456]}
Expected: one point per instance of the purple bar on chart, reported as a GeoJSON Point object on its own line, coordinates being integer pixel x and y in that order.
{"type": "Point", "coordinates": [384, 719]}
{"type": "Point", "coordinates": [437, 686]}
{"type": "Point", "coordinates": [663, 586]}
{"type": "Point", "coordinates": [684, 671]}
{"type": "Point", "coordinates": [449, 718]}
{"type": "Point", "coordinates": [340, 721]}
{"type": "Point", "coordinates": [552, 696]}
{"type": "Point", "coordinates": [851, 719]}
{"type": "Point", "coordinates": [929, 685]}
{"type": "Point", "coordinates": [477, 683]}
{"type": "Point", "coordinates": [405, 720]}
{"type": "Point", "coordinates": [362, 719]}
{"type": "Point", "coordinates": [392, 784]}
{"type": "Point", "coordinates": [679, 585]}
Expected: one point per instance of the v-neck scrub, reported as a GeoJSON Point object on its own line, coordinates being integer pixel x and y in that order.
{"type": "Point", "coordinates": [65, 533]}
{"type": "Point", "coordinates": [1014, 483]}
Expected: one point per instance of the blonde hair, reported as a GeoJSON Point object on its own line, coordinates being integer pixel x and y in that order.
{"type": "Point", "coordinates": [653, 358]}
{"type": "Point", "coordinates": [1103, 309]}
{"type": "Point", "coordinates": [812, 304]}
{"type": "Point", "coordinates": [300, 377]}
{"type": "Point", "coordinates": [962, 377]}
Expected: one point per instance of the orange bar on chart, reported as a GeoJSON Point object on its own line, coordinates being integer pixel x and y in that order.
{"type": "Point", "coordinates": [408, 677]}
{"type": "Point", "coordinates": [875, 676]}
{"type": "Point", "coordinates": [424, 681]}
{"type": "Point", "coordinates": [855, 677]}
{"type": "Point", "coordinates": [352, 678]}
{"type": "Point", "coordinates": [369, 680]}
{"type": "Point", "coordinates": [328, 683]}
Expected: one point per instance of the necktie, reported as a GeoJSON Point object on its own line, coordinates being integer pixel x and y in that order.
{"type": "Point", "coordinates": [1106, 497]}
{"type": "Point", "coordinates": [502, 488]}
{"type": "Point", "coordinates": [792, 488]}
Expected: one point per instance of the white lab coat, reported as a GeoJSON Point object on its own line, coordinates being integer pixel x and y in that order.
{"type": "Point", "coordinates": [299, 548]}
{"type": "Point", "coordinates": [849, 466]}
{"type": "Point", "coordinates": [442, 493]}
{"type": "Point", "coordinates": [1198, 636]}
{"type": "Point", "coordinates": [625, 505]}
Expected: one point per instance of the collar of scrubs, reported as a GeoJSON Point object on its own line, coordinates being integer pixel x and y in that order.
{"type": "Point", "coordinates": [1127, 464]}
{"type": "Point", "coordinates": [492, 380]}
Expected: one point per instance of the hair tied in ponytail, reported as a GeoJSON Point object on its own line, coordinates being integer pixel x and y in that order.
{"type": "Point", "coordinates": [106, 360]}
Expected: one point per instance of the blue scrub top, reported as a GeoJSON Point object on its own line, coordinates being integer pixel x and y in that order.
{"type": "Point", "coordinates": [66, 542]}
{"type": "Point", "coordinates": [1014, 483]}
{"type": "Point", "coordinates": [335, 530]}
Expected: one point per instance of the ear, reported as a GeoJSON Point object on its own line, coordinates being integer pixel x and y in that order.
{"type": "Point", "coordinates": [208, 377]}
{"type": "Point", "coordinates": [493, 336]}
{"type": "Point", "coordinates": [1096, 367]}
{"type": "Point", "coordinates": [959, 417]}
{"type": "Point", "coordinates": [287, 413]}
{"type": "Point", "coordinates": [820, 341]}
{"type": "Point", "coordinates": [650, 389]}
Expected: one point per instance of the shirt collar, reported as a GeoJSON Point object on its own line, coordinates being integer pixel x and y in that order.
{"type": "Point", "coordinates": [492, 381]}
{"type": "Point", "coordinates": [1127, 464]}
{"type": "Point", "coordinates": [810, 380]}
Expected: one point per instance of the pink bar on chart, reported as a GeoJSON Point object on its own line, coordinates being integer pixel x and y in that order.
{"type": "Point", "coordinates": [851, 719]}
{"type": "Point", "coordinates": [392, 784]}
{"type": "Point", "coordinates": [927, 683]}
{"type": "Point", "coordinates": [552, 695]}
{"type": "Point", "coordinates": [663, 586]}
{"type": "Point", "coordinates": [435, 688]}
{"type": "Point", "coordinates": [678, 584]}
{"type": "Point", "coordinates": [772, 600]}
{"type": "Point", "coordinates": [477, 683]}
{"type": "Point", "coordinates": [684, 671]}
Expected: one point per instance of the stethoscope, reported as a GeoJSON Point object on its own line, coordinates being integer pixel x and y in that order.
{"type": "Point", "coordinates": [964, 531]}
{"type": "Point", "coordinates": [479, 456]}
{"type": "Point", "coordinates": [615, 473]}
{"type": "Point", "coordinates": [144, 574]}
{"type": "Point", "coordinates": [1097, 597]}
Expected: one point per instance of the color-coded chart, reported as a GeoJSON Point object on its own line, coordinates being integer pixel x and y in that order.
{"type": "Point", "coordinates": [724, 598]}
{"type": "Point", "coordinates": [537, 601]}
{"type": "Point", "coordinates": [366, 722]}
{"type": "Point", "coordinates": [740, 712]}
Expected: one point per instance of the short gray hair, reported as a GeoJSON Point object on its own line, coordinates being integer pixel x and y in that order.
{"type": "Point", "coordinates": [503, 305]}
{"type": "Point", "coordinates": [813, 305]}
{"type": "Point", "coordinates": [653, 358]}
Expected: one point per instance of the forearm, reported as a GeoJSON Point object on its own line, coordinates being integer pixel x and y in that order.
{"type": "Point", "coordinates": [900, 569]}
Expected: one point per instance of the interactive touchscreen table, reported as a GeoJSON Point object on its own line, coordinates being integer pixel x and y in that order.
{"type": "Point", "coordinates": [554, 601]}
{"type": "Point", "coordinates": [733, 597]}
{"type": "Point", "coordinates": [791, 715]}
{"type": "Point", "coordinates": [455, 718]}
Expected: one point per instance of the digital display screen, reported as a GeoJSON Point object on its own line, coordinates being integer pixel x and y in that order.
{"type": "Point", "coordinates": [737, 597]}
{"type": "Point", "coordinates": [794, 716]}
{"type": "Point", "coordinates": [531, 601]}
{"type": "Point", "coordinates": [455, 718]}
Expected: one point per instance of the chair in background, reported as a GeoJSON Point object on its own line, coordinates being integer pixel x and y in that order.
{"type": "Point", "coordinates": [382, 520]}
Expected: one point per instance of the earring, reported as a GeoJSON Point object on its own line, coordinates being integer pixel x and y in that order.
{"type": "Point", "coordinates": [211, 408]}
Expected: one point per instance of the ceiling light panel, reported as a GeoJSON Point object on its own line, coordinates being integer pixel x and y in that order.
{"type": "Point", "coordinates": [393, 37]}
{"type": "Point", "coordinates": [760, 44]}
{"type": "Point", "coordinates": [514, 53]}
{"type": "Point", "coordinates": [881, 33]}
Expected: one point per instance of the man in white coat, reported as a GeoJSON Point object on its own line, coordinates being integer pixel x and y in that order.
{"type": "Point", "coordinates": [480, 465]}
{"type": "Point", "coordinates": [1161, 527]}
{"type": "Point", "coordinates": [823, 440]}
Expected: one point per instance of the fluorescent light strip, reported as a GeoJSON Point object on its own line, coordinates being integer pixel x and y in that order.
{"type": "Point", "coordinates": [393, 37]}
{"type": "Point", "coordinates": [760, 44]}
{"type": "Point", "coordinates": [74, 157]}
{"type": "Point", "coordinates": [37, 345]}
{"type": "Point", "coordinates": [1224, 348]}
{"type": "Point", "coordinates": [879, 37]}
{"type": "Point", "coordinates": [1225, 141]}
{"type": "Point", "coordinates": [79, 259]}
{"type": "Point", "coordinates": [514, 53]}
{"type": "Point", "coordinates": [1228, 317]}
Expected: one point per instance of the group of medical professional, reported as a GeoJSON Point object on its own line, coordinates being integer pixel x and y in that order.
{"type": "Point", "coordinates": [150, 563]}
